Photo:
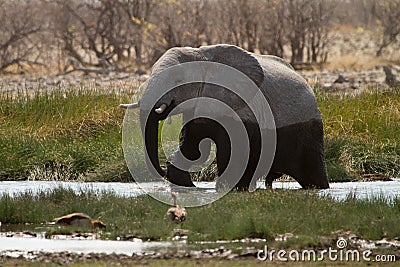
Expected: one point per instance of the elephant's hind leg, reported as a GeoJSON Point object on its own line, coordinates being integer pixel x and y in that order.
{"type": "Point", "coordinates": [310, 168]}
{"type": "Point", "coordinates": [300, 154]}
{"type": "Point", "coordinates": [312, 173]}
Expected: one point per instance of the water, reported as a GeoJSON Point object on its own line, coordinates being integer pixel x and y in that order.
{"type": "Point", "coordinates": [338, 191]}
{"type": "Point", "coordinates": [364, 190]}
{"type": "Point", "coordinates": [20, 245]}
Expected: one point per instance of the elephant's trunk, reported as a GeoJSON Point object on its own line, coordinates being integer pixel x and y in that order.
{"type": "Point", "coordinates": [151, 143]}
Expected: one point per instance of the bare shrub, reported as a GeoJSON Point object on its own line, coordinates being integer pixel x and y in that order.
{"type": "Point", "coordinates": [106, 34]}
{"type": "Point", "coordinates": [319, 27]}
{"type": "Point", "coordinates": [181, 23]}
{"type": "Point", "coordinates": [387, 14]}
{"type": "Point", "coordinates": [121, 35]}
{"type": "Point", "coordinates": [19, 29]}
{"type": "Point", "coordinates": [308, 23]}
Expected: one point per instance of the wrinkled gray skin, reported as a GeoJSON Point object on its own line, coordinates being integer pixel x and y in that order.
{"type": "Point", "coordinates": [299, 149]}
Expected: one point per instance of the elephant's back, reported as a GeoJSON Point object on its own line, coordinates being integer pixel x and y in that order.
{"type": "Point", "coordinates": [291, 99]}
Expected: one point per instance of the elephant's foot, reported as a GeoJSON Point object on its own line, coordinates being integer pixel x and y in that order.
{"type": "Point", "coordinates": [312, 174]}
{"type": "Point", "coordinates": [311, 177]}
{"type": "Point", "coordinates": [178, 176]}
{"type": "Point", "coordinates": [317, 182]}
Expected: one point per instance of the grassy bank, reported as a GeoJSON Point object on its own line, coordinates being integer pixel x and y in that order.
{"type": "Point", "coordinates": [362, 134]}
{"type": "Point", "coordinates": [75, 134]}
{"type": "Point", "coordinates": [237, 215]}
{"type": "Point", "coordinates": [69, 134]}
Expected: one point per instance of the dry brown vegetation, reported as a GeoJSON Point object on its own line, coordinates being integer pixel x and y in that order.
{"type": "Point", "coordinates": [102, 35]}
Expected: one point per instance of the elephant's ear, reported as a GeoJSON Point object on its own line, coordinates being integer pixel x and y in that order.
{"type": "Point", "coordinates": [175, 56]}
{"type": "Point", "coordinates": [237, 58]}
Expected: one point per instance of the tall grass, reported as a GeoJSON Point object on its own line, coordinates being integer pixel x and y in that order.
{"type": "Point", "coordinates": [362, 133]}
{"type": "Point", "coordinates": [371, 116]}
{"type": "Point", "coordinates": [63, 132]}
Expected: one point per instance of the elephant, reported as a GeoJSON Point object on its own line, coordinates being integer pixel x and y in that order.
{"type": "Point", "coordinates": [299, 150]}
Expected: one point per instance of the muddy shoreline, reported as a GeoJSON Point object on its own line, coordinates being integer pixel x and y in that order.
{"type": "Point", "coordinates": [221, 253]}
{"type": "Point", "coordinates": [179, 248]}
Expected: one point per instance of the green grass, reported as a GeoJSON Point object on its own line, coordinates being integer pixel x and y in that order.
{"type": "Point", "coordinates": [62, 135]}
{"type": "Point", "coordinates": [76, 134]}
{"type": "Point", "coordinates": [362, 134]}
{"type": "Point", "coordinates": [263, 214]}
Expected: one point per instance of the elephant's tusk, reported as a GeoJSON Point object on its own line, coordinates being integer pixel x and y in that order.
{"type": "Point", "coordinates": [129, 106]}
{"type": "Point", "coordinates": [161, 109]}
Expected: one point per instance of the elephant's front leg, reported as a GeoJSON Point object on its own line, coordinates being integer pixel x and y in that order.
{"type": "Point", "coordinates": [178, 176]}
{"type": "Point", "coordinates": [241, 183]}
{"type": "Point", "coordinates": [188, 150]}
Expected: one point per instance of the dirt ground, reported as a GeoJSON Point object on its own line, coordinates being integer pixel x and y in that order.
{"type": "Point", "coordinates": [69, 259]}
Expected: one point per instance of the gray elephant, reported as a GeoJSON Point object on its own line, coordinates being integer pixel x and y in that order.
{"type": "Point", "coordinates": [299, 129]}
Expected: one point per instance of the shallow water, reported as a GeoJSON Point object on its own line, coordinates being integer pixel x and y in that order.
{"type": "Point", "coordinates": [364, 190]}
{"type": "Point", "coordinates": [338, 191]}
{"type": "Point", "coordinates": [21, 244]}
{"type": "Point", "coordinates": [32, 247]}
